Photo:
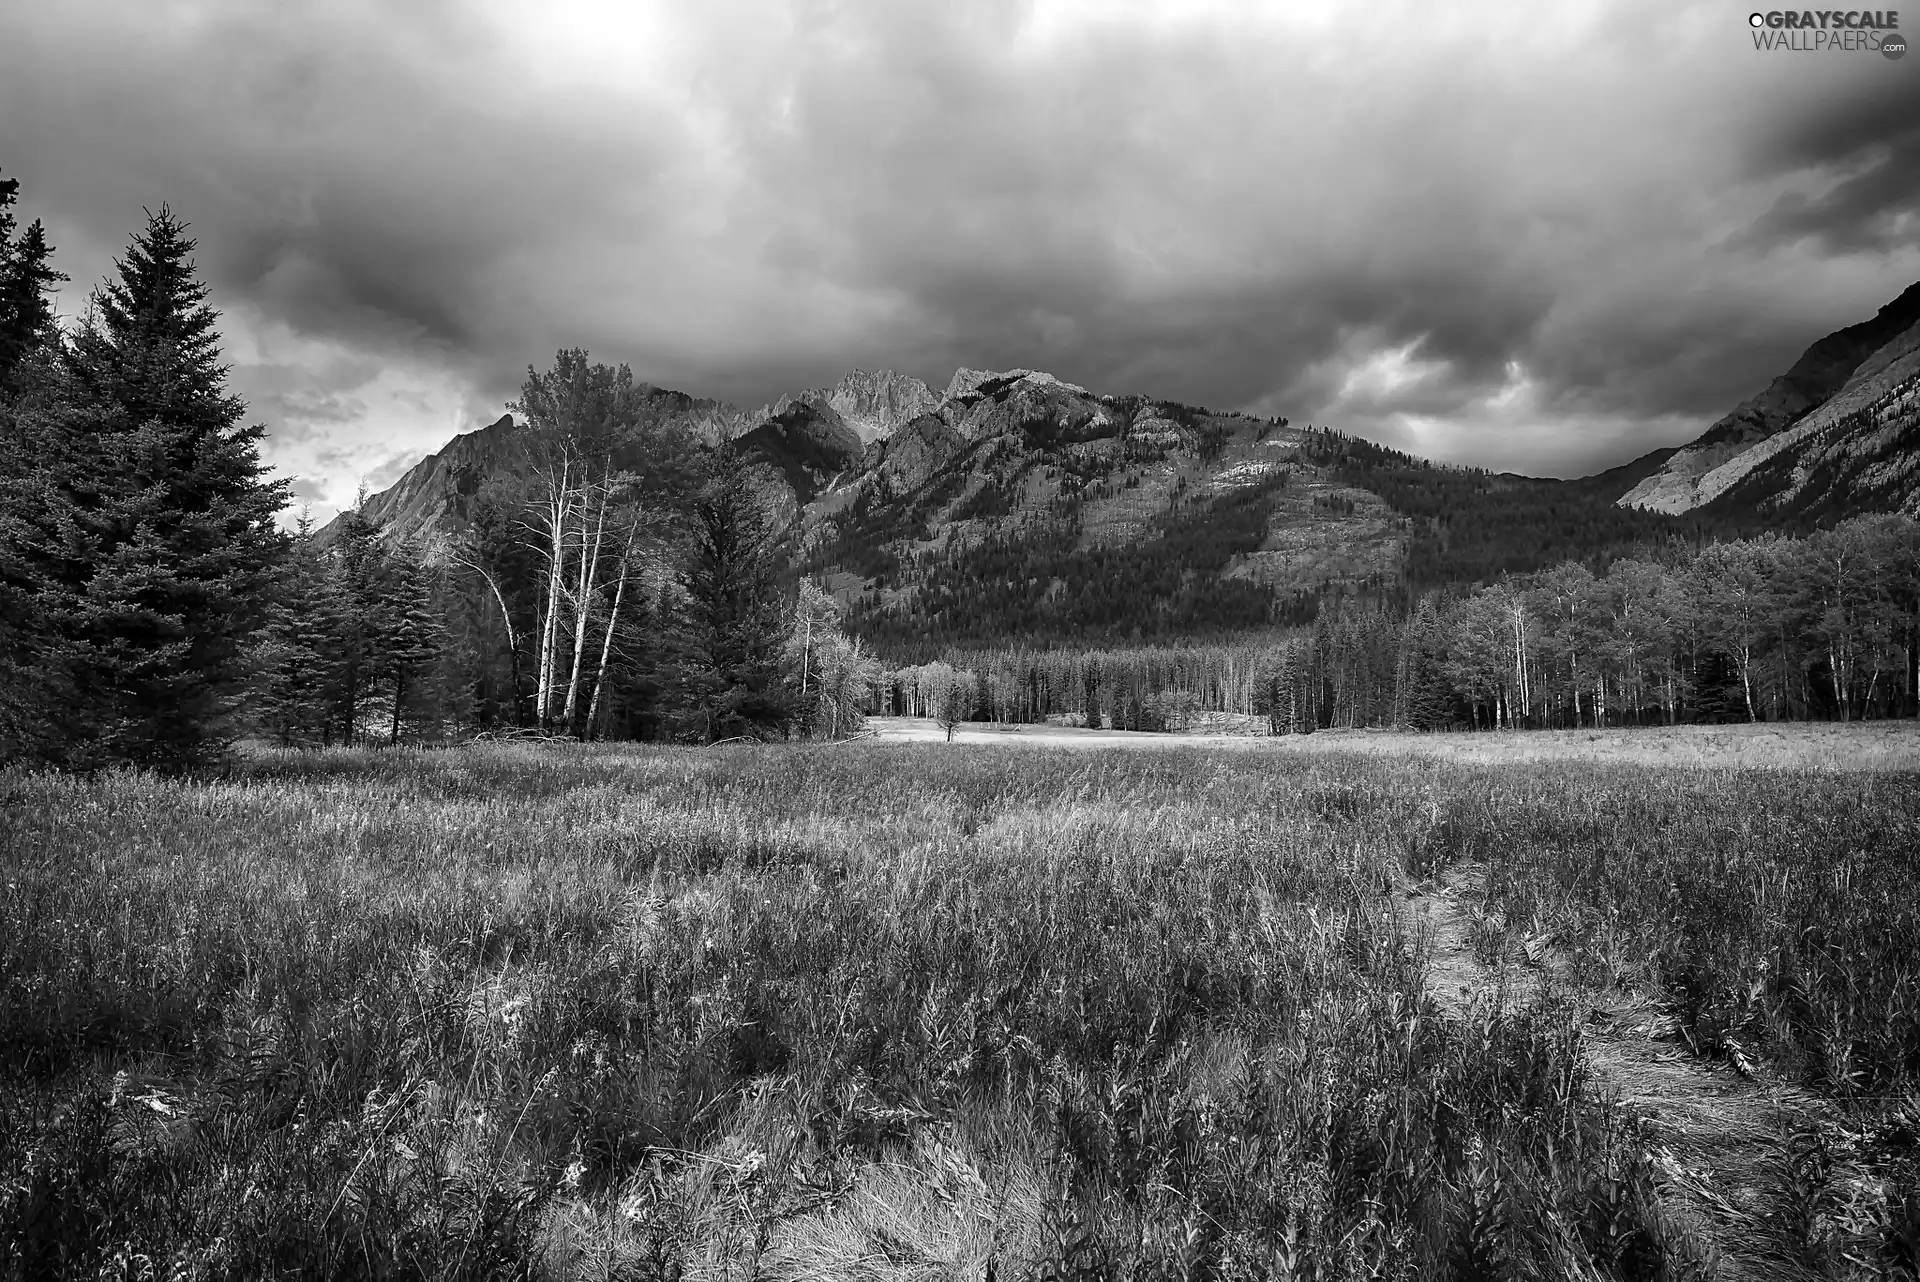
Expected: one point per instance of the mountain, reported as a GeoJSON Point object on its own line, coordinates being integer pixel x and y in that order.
{"type": "Point", "coordinates": [1839, 432]}
{"type": "Point", "coordinates": [438, 492]}
{"type": "Point", "coordinates": [872, 405]}
{"type": "Point", "coordinates": [1024, 507]}
{"type": "Point", "coordinates": [798, 452]}
{"type": "Point", "coordinates": [1014, 505]}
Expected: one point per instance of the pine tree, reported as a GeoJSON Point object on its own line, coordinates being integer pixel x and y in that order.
{"type": "Point", "coordinates": [730, 678]}
{"type": "Point", "coordinates": [414, 650]}
{"type": "Point", "coordinates": [1422, 698]}
{"type": "Point", "coordinates": [171, 548]}
{"type": "Point", "coordinates": [36, 657]}
{"type": "Point", "coordinates": [27, 279]}
{"type": "Point", "coordinates": [295, 657]}
{"type": "Point", "coordinates": [357, 622]}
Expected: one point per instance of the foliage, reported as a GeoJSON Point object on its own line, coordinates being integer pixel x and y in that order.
{"type": "Point", "coordinates": [148, 540]}
{"type": "Point", "coordinates": [1825, 626]}
{"type": "Point", "coordinates": [835, 678]}
{"type": "Point", "coordinates": [27, 280]}
{"type": "Point", "coordinates": [729, 671]}
{"type": "Point", "coordinates": [1471, 525]}
{"type": "Point", "coordinates": [606, 472]}
{"type": "Point", "coordinates": [1037, 583]}
{"type": "Point", "coordinates": [294, 663]}
{"type": "Point", "coordinates": [1031, 575]}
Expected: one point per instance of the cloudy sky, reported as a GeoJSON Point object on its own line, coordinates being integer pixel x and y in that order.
{"type": "Point", "coordinates": [1541, 237]}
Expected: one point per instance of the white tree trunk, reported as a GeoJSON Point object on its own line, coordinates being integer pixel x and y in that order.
{"type": "Point", "coordinates": [583, 601]}
{"type": "Point", "coordinates": [558, 507]}
{"type": "Point", "coordinates": [606, 648]}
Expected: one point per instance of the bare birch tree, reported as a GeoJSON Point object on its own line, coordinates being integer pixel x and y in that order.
{"type": "Point", "coordinates": [599, 462]}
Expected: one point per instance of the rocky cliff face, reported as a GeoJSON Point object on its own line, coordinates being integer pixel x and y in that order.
{"type": "Point", "coordinates": [797, 453]}
{"type": "Point", "coordinates": [889, 424]}
{"type": "Point", "coordinates": [873, 405]}
{"type": "Point", "coordinates": [435, 493]}
{"type": "Point", "coordinates": [1836, 432]}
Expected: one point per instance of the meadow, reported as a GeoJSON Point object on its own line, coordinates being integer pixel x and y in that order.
{"type": "Point", "coordinates": [927, 1011]}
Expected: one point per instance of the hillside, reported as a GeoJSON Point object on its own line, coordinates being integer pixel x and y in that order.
{"type": "Point", "coordinates": [1838, 432]}
{"type": "Point", "coordinates": [1015, 505]}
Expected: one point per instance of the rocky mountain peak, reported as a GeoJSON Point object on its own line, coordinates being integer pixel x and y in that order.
{"type": "Point", "coordinates": [873, 403]}
{"type": "Point", "coordinates": [970, 382]}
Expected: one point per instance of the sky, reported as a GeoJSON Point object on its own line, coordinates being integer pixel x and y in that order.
{"type": "Point", "coordinates": [1542, 238]}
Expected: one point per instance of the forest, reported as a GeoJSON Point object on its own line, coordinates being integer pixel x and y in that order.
{"type": "Point", "coordinates": [1037, 581]}
{"type": "Point", "coordinates": [153, 611]}
{"type": "Point", "coordinates": [1773, 628]}
{"type": "Point", "coordinates": [628, 583]}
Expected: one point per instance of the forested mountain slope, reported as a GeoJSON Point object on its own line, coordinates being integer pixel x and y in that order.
{"type": "Point", "coordinates": [1017, 505]}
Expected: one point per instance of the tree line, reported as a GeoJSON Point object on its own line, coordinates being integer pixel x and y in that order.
{"type": "Point", "coordinates": [1767, 628]}
{"type": "Point", "coordinates": [1770, 628]}
{"type": "Point", "coordinates": [625, 582]}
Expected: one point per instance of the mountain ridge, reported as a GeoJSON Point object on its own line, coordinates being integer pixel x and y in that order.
{"type": "Point", "coordinates": [1015, 503]}
{"type": "Point", "coordinates": [1836, 432]}
{"type": "Point", "coordinates": [872, 403]}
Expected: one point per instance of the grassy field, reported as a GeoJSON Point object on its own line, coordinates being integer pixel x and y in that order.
{"type": "Point", "coordinates": [918, 1011]}
{"type": "Point", "coordinates": [1799, 746]}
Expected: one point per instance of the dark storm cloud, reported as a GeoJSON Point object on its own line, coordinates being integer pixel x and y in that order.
{"type": "Point", "coordinates": [1876, 208]}
{"type": "Point", "coordinates": [1866, 112]}
{"type": "Point", "coordinates": [1547, 238]}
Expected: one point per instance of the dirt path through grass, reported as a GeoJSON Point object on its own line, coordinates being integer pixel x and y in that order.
{"type": "Point", "coordinates": [1721, 1140]}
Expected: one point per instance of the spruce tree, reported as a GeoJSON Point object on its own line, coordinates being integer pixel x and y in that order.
{"type": "Point", "coordinates": [295, 659]}
{"type": "Point", "coordinates": [1424, 698]}
{"type": "Point", "coordinates": [27, 280]}
{"type": "Point", "coordinates": [358, 622]}
{"type": "Point", "coordinates": [36, 659]}
{"type": "Point", "coordinates": [730, 678]}
{"type": "Point", "coordinates": [415, 645]}
{"type": "Point", "coordinates": [171, 550]}
{"type": "Point", "coordinates": [1090, 683]}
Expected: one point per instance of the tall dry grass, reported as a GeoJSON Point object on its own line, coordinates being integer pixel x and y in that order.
{"type": "Point", "coordinates": [877, 1012]}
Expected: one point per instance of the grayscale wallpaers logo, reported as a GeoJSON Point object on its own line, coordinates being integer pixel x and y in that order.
{"type": "Point", "coordinates": [1829, 31]}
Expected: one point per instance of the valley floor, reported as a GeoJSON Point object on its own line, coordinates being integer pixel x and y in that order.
{"type": "Point", "coordinates": [897, 1010]}
{"type": "Point", "coordinates": [1816, 745]}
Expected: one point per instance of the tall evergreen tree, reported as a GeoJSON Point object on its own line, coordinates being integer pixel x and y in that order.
{"type": "Point", "coordinates": [27, 280]}
{"type": "Point", "coordinates": [170, 549]}
{"type": "Point", "coordinates": [730, 678]}
{"type": "Point", "coordinates": [36, 657]}
{"type": "Point", "coordinates": [416, 646]}
{"type": "Point", "coordinates": [1421, 695]}
{"type": "Point", "coordinates": [297, 649]}
{"type": "Point", "coordinates": [358, 622]}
